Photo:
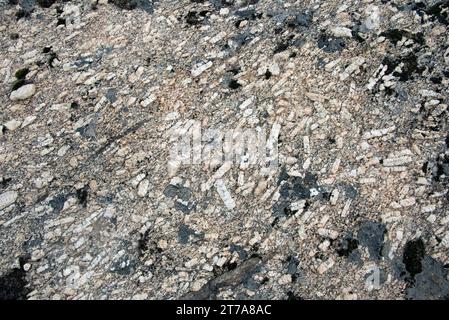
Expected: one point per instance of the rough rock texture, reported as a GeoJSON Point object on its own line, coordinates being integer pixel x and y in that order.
{"type": "Point", "coordinates": [355, 93]}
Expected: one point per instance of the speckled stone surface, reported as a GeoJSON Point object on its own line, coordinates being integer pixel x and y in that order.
{"type": "Point", "coordinates": [355, 93]}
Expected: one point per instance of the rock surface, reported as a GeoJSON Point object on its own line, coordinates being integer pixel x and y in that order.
{"type": "Point", "coordinates": [99, 199]}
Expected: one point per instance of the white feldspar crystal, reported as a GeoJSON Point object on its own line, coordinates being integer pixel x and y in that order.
{"type": "Point", "coordinates": [392, 162]}
{"type": "Point", "coordinates": [261, 187]}
{"type": "Point", "coordinates": [224, 194]}
{"type": "Point", "coordinates": [135, 182]}
{"type": "Point", "coordinates": [306, 144]}
{"type": "Point", "coordinates": [378, 132]}
{"type": "Point", "coordinates": [12, 125]}
{"type": "Point", "coordinates": [143, 188]}
{"type": "Point", "coordinates": [285, 279]}
{"type": "Point", "coordinates": [445, 241]}
{"type": "Point", "coordinates": [148, 101]}
{"type": "Point", "coordinates": [63, 150]}
{"type": "Point", "coordinates": [372, 20]}
{"type": "Point", "coordinates": [274, 69]}
{"type": "Point", "coordinates": [334, 196]}
{"type": "Point", "coordinates": [7, 198]}
{"type": "Point", "coordinates": [24, 92]}
{"type": "Point", "coordinates": [326, 265]}
{"type": "Point", "coordinates": [172, 167]}
{"type": "Point", "coordinates": [353, 67]}
{"type": "Point", "coordinates": [218, 37]}
{"type": "Point", "coordinates": [246, 103]}
{"type": "Point", "coordinates": [429, 208]}
{"type": "Point", "coordinates": [28, 120]}
{"type": "Point", "coordinates": [407, 202]}
{"type": "Point", "coordinates": [200, 68]}
{"type": "Point", "coordinates": [346, 208]}
{"type": "Point", "coordinates": [335, 166]}
{"type": "Point", "coordinates": [323, 246]}
{"type": "Point", "coordinates": [307, 164]}
{"type": "Point", "coordinates": [328, 233]}
{"type": "Point", "coordinates": [224, 11]}
{"type": "Point", "coordinates": [341, 32]}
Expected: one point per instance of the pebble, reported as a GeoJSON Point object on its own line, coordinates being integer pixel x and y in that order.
{"type": "Point", "coordinates": [23, 92]}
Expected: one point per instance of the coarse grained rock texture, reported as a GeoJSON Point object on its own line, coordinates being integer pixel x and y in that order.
{"type": "Point", "coordinates": [93, 207]}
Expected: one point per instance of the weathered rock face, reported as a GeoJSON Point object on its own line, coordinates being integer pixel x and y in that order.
{"type": "Point", "coordinates": [228, 149]}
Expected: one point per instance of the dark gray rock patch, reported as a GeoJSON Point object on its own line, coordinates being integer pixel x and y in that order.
{"type": "Point", "coordinates": [185, 233]}
{"type": "Point", "coordinates": [431, 283]}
